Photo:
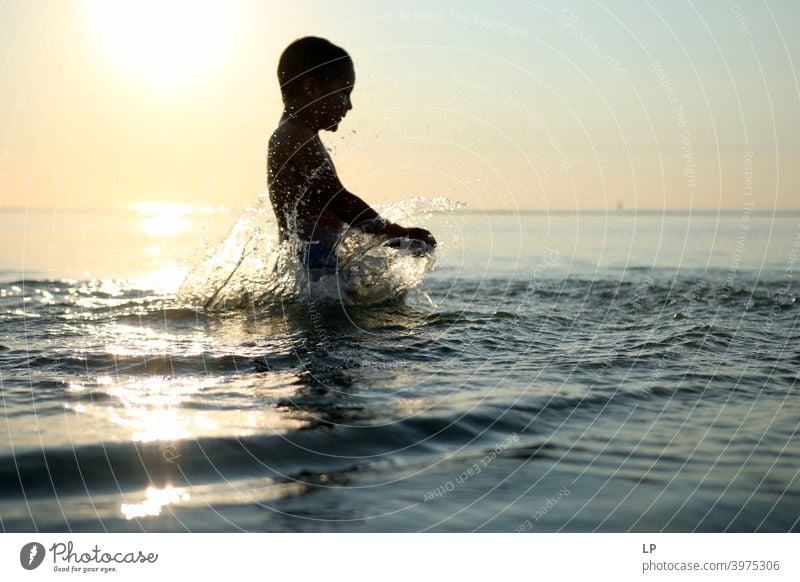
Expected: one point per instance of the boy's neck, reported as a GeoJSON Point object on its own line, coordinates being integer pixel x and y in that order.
{"type": "Point", "coordinates": [297, 118]}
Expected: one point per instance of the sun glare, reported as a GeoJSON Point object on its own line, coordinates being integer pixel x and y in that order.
{"type": "Point", "coordinates": [169, 42]}
{"type": "Point", "coordinates": [161, 219]}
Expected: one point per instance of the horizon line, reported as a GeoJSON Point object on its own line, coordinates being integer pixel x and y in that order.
{"type": "Point", "coordinates": [462, 210]}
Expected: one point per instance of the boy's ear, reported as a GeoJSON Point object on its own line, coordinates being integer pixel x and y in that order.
{"type": "Point", "coordinates": [310, 87]}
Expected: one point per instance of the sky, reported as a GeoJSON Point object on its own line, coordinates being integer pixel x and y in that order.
{"type": "Point", "coordinates": [507, 105]}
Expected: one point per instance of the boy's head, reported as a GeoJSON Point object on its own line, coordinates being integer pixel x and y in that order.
{"type": "Point", "coordinates": [316, 77]}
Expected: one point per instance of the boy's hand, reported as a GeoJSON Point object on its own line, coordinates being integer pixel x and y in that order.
{"type": "Point", "coordinates": [423, 235]}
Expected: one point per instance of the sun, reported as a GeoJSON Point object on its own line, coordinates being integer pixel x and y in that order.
{"type": "Point", "coordinates": [168, 42]}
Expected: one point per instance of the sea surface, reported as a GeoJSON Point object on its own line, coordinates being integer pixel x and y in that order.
{"type": "Point", "coordinates": [595, 371]}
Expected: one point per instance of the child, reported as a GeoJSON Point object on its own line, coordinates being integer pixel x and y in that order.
{"type": "Point", "coordinates": [316, 80]}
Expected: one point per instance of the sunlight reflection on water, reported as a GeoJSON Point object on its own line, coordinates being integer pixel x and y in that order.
{"type": "Point", "coordinates": [154, 502]}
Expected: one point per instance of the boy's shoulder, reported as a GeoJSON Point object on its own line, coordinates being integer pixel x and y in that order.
{"type": "Point", "coordinates": [291, 137]}
{"type": "Point", "coordinates": [298, 143]}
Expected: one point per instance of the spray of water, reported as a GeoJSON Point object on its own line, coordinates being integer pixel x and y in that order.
{"type": "Point", "coordinates": [250, 268]}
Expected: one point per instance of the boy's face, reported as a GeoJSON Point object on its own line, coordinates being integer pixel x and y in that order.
{"type": "Point", "coordinates": [334, 100]}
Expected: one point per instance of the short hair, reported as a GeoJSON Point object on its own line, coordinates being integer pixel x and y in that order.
{"type": "Point", "coordinates": [310, 56]}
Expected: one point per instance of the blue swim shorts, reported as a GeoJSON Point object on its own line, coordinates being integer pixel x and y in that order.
{"type": "Point", "coordinates": [314, 255]}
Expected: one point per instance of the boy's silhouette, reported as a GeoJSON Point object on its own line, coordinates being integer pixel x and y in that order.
{"type": "Point", "coordinates": [316, 80]}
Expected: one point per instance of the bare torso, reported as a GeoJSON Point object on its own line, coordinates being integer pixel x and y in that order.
{"type": "Point", "coordinates": [302, 184]}
{"type": "Point", "coordinates": [309, 200]}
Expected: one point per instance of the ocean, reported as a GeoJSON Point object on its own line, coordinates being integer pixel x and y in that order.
{"type": "Point", "coordinates": [542, 372]}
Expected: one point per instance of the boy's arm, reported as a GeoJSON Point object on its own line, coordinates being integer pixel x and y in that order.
{"type": "Point", "coordinates": [326, 192]}
{"type": "Point", "coordinates": [352, 210]}
{"type": "Point", "coordinates": [355, 212]}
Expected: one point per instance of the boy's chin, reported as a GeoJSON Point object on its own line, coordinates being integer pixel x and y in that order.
{"type": "Point", "coordinates": [335, 125]}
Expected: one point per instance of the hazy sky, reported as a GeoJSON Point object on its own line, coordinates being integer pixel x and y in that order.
{"type": "Point", "coordinates": [499, 105]}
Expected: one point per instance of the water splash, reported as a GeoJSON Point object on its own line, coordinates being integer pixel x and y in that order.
{"type": "Point", "coordinates": [251, 268]}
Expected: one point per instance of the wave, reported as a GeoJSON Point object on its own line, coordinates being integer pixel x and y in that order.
{"type": "Point", "coordinates": [116, 467]}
